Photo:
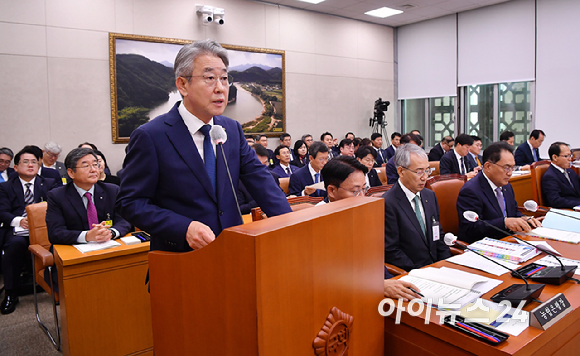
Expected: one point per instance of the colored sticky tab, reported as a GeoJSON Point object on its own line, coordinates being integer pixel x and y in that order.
{"type": "Point", "coordinates": [109, 223]}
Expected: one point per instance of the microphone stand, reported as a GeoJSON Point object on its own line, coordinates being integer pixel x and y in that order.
{"type": "Point", "coordinates": [550, 275]}
{"type": "Point", "coordinates": [231, 182]}
{"type": "Point", "coordinates": [516, 292]}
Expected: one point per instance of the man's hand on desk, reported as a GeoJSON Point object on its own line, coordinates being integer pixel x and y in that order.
{"type": "Point", "coordinates": [99, 233]}
{"type": "Point", "coordinates": [199, 235]}
{"type": "Point", "coordinates": [523, 224]}
{"type": "Point", "coordinates": [395, 288]}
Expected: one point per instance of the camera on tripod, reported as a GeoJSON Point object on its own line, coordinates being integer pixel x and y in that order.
{"type": "Point", "coordinates": [379, 113]}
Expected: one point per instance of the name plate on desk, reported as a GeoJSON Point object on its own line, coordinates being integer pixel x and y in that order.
{"type": "Point", "coordinates": [549, 312]}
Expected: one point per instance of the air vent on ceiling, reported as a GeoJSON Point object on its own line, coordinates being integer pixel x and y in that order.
{"type": "Point", "coordinates": [406, 6]}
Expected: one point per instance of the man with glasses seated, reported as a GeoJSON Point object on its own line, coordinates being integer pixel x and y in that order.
{"type": "Point", "coordinates": [301, 181]}
{"type": "Point", "coordinates": [491, 196]}
{"type": "Point", "coordinates": [345, 178]}
{"type": "Point", "coordinates": [560, 184]}
{"type": "Point", "coordinates": [23, 188]}
{"type": "Point", "coordinates": [6, 156]}
{"type": "Point", "coordinates": [83, 211]}
{"type": "Point", "coordinates": [413, 236]}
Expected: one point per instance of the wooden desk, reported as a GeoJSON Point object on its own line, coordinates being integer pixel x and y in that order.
{"type": "Point", "coordinates": [104, 303]}
{"type": "Point", "coordinates": [522, 188]}
{"type": "Point", "coordinates": [413, 337]}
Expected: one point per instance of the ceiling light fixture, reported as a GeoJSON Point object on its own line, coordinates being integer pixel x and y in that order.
{"type": "Point", "coordinates": [383, 12]}
{"type": "Point", "coordinates": [312, 1]}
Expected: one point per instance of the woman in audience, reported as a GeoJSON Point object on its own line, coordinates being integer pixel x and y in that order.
{"type": "Point", "coordinates": [367, 155]}
{"type": "Point", "coordinates": [107, 178]}
{"type": "Point", "coordinates": [301, 154]}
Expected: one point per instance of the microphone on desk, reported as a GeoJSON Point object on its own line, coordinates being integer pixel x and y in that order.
{"type": "Point", "coordinates": [531, 205]}
{"type": "Point", "coordinates": [550, 275]}
{"type": "Point", "coordinates": [219, 137]}
{"type": "Point", "coordinates": [514, 293]}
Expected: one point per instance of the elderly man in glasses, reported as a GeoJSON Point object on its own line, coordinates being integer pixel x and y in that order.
{"type": "Point", "coordinates": [491, 196]}
{"type": "Point", "coordinates": [23, 188]}
{"type": "Point", "coordinates": [413, 236]}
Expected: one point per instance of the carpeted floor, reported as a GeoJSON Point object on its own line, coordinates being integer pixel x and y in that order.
{"type": "Point", "coordinates": [20, 334]}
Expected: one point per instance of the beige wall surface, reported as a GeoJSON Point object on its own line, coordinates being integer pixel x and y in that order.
{"type": "Point", "coordinates": [54, 65]}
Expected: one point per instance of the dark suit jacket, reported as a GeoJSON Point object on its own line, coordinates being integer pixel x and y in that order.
{"type": "Point", "coordinates": [12, 200]}
{"type": "Point", "coordinates": [476, 195]}
{"type": "Point", "coordinates": [557, 191]}
{"type": "Point", "coordinates": [165, 185]}
{"type": "Point", "coordinates": [391, 170]}
{"type": "Point", "coordinates": [66, 215]}
{"type": "Point", "coordinates": [281, 172]}
{"type": "Point", "coordinates": [523, 155]}
{"type": "Point", "coordinates": [374, 179]}
{"type": "Point", "coordinates": [300, 163]}
{"type": "Point", "coordinates": [59, 167]}
{"type": "Point", "coordinates": [381, 157]}
{"type": "Point", "coordinates": [247, 203]}
{"type": "Point", "coordinates": [449, 165]}
{"type": "Point", "coordinates": [472, 162]}
{"type": "Point", "coordinates": [277, 161]}
{"type": "Point", "coordinates": [301, 179]}
{"type": "Point", "coordinates": [436, 153]}
{"type": "Point", "coordinates": [389, 152]}
{"type": "Point", "coordinates": [9, 172]}
{"type": "Point", "coordinates": [406, 245]}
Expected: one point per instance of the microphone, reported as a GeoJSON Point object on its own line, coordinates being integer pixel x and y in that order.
{"type": "Point", "coordinates": [514, 293]}
{"type": "Point", "coordinates": [219, 136]}
{"type": "Point", "coordinates": [550, 275]}
{"type": "Point", "coordinates": [531, 205]}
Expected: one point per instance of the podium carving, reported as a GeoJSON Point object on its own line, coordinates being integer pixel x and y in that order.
{"type": "Point", "coordinates": [334, 337]}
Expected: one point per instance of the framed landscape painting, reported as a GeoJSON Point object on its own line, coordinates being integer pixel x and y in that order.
{"type": "Point", "coordinates": [143, 84]}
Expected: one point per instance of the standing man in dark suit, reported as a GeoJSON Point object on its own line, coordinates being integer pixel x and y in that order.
{"type": "Point", "coordinates": [491, 196]}
{"type": "Point", "coordinates": [310, 174]}
{"type": "Point", "coordinates": [22, 189]}
{"type": "Point", "coordinates": [413, 235]}
{"type": "Point", "coordinates": [560, 184]}
{"type": "Point", "coordinates": [377, 143]}
{"type": "Point", "coordinates": [456, 161]}
{"type": "Point", "coordinates": [528, 152]}
{"type": "Point", "coordinates": [174, 183]}
{"type": "Point", "coordinates": [395, 142]}
{"type": "Point", "coordinates": [6, 156]}
{"type": "Point", "coordinates": [441, 148]}
{"type": "Point", "coordinates": [84, 210]}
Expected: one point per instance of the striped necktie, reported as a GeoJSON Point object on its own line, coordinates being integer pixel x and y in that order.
{"type": "Point", "coordinates": [28, 196]}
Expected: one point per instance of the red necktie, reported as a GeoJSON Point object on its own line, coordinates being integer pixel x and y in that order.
{"type": "Point", "coordinates": [91, 211]}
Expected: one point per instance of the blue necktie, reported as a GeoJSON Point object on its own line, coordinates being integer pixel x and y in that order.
{"type": "Point", "coordinates": [1, 178]}
{"type": "Point", "coordinates": [209, 156]}
{"type": "Point", "coordinates": [535, 156]}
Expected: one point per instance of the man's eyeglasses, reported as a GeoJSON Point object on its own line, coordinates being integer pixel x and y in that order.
{"type": "Point", "coordinates": [27, 162]}
{"type": "Point", "coordinates": [507, 169]}
{"type": "Point", "coordinates": [566, 156]}
{"type": "Point", "coordinates": [421, 172]}
{"type": "Point", "coordinates": [7, 161]}
{"type": "Point", "coordinates": [88, 166]}
{"type": "Point", "coordinates": [211, 79]}
{"type": "Point", "coordinates": [356, 193]}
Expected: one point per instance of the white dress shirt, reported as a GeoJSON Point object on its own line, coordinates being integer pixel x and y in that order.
{"type": "Point", "coordinates": [193, 125]}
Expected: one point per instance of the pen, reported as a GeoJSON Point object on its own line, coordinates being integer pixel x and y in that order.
{"type": "Point", "coordinates": [478, 332]}
{"type": "Point", "coordinates": [414, 291]}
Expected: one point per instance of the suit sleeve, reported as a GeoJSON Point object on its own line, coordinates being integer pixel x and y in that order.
{"type": "Point", "coordinates": [468, 199]}
{"type": "Point", "coordinates": [138, 186]}
{"type": "Point", "coordinates": [520, 156]}
{"type": "Point", "coordinates": [295, 185]}
{"type": "Point", "coordinates": [443, 250]}
{"type": "Point", "coordinates": [392, 175]}
{"type": "Point", "coordinates": [393, 252]}
{"type": "Point", "coordinates": [119, 224]}
{"type": "Point", "coordinates": [58, 233]}
{"type": "Point", "coordinates": [445, 166]}
{"type": "Point", "coordinates": [6, 215]}
{"type": "Point", "coordinates": [553, 193]}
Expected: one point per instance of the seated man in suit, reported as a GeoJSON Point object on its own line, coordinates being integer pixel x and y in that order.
{"type": "Point", "coordinates": [308, 139]}
{"type": "Point", "coordinates": [441, 148]}
{"type": "Point", "coordinates": [455, 160]}
{"type": "Point", "coordinates": [345, 179]}
{"type": "Point", "coordinates": [528, 152]}
{"type": "Point", "coordinates": [366, 155]}
{"type": "Point", "coordinates": [6, 156]}
{"type": "Point", "coordinates": [43, 171]}
{"type": "Point", "coordinates": [474, 157]}
{"type": "Point", "coordinates": [346, 147]}
{"type": "Point", "coordinates": [413, 236]}
{"type": "Point", "coordinates": [560, 184]}
{"type": "Point", "coordinates": [263, 140]}
{"type": "Point", "coordinates": [377, 143]}
{"type": "Point", "coordinates": [50, 155]}
{"type": "Point", "coordinates": [508, 137]}
{"type": "Point", "coordinates": [23, 188]}
{"type": "Point", "coordinates": [328, 140]}
{"type": "Point", "coordinates": [391, 168]}
{"type": "Point", "coordinates": [310, 174]}
{"type": "Point", "coordinates": [395, 142]}
{"type": "Point", "coordinates": [283, 168]}
{"type": "Point", "coordinates": [491, 196]}
{"type": "Point", "coordinates": [83, 211]}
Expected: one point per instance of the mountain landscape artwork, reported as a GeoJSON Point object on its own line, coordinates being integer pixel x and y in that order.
{"type": "Point", "coordinates": [143, 84]}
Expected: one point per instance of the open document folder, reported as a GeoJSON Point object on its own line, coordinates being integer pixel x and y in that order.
{"type": "Point", "coordinates": [556, 226]}
{"type": "Point", "coordinates": [445, 286]}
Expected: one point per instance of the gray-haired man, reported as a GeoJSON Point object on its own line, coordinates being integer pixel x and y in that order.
{"type": "Point", "coordinates": [50, 155]}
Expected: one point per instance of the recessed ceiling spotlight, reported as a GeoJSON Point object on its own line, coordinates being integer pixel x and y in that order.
{"type": "Point", "coordinates": [312, 1]}
{"type": "Point", "coordinates": [383, 12]}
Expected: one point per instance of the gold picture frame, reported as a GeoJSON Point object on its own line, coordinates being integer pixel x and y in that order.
{"type": "Point", "coordinates": [141, 75]}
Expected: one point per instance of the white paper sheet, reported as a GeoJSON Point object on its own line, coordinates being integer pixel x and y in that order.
{"type": "Point", "coordinates": [95, 246]}
{"type": "Point", "coordinates": [471, 259]}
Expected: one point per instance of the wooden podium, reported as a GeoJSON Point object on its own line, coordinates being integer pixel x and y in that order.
{"type": "Point", "coordinates": [267, 288]}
